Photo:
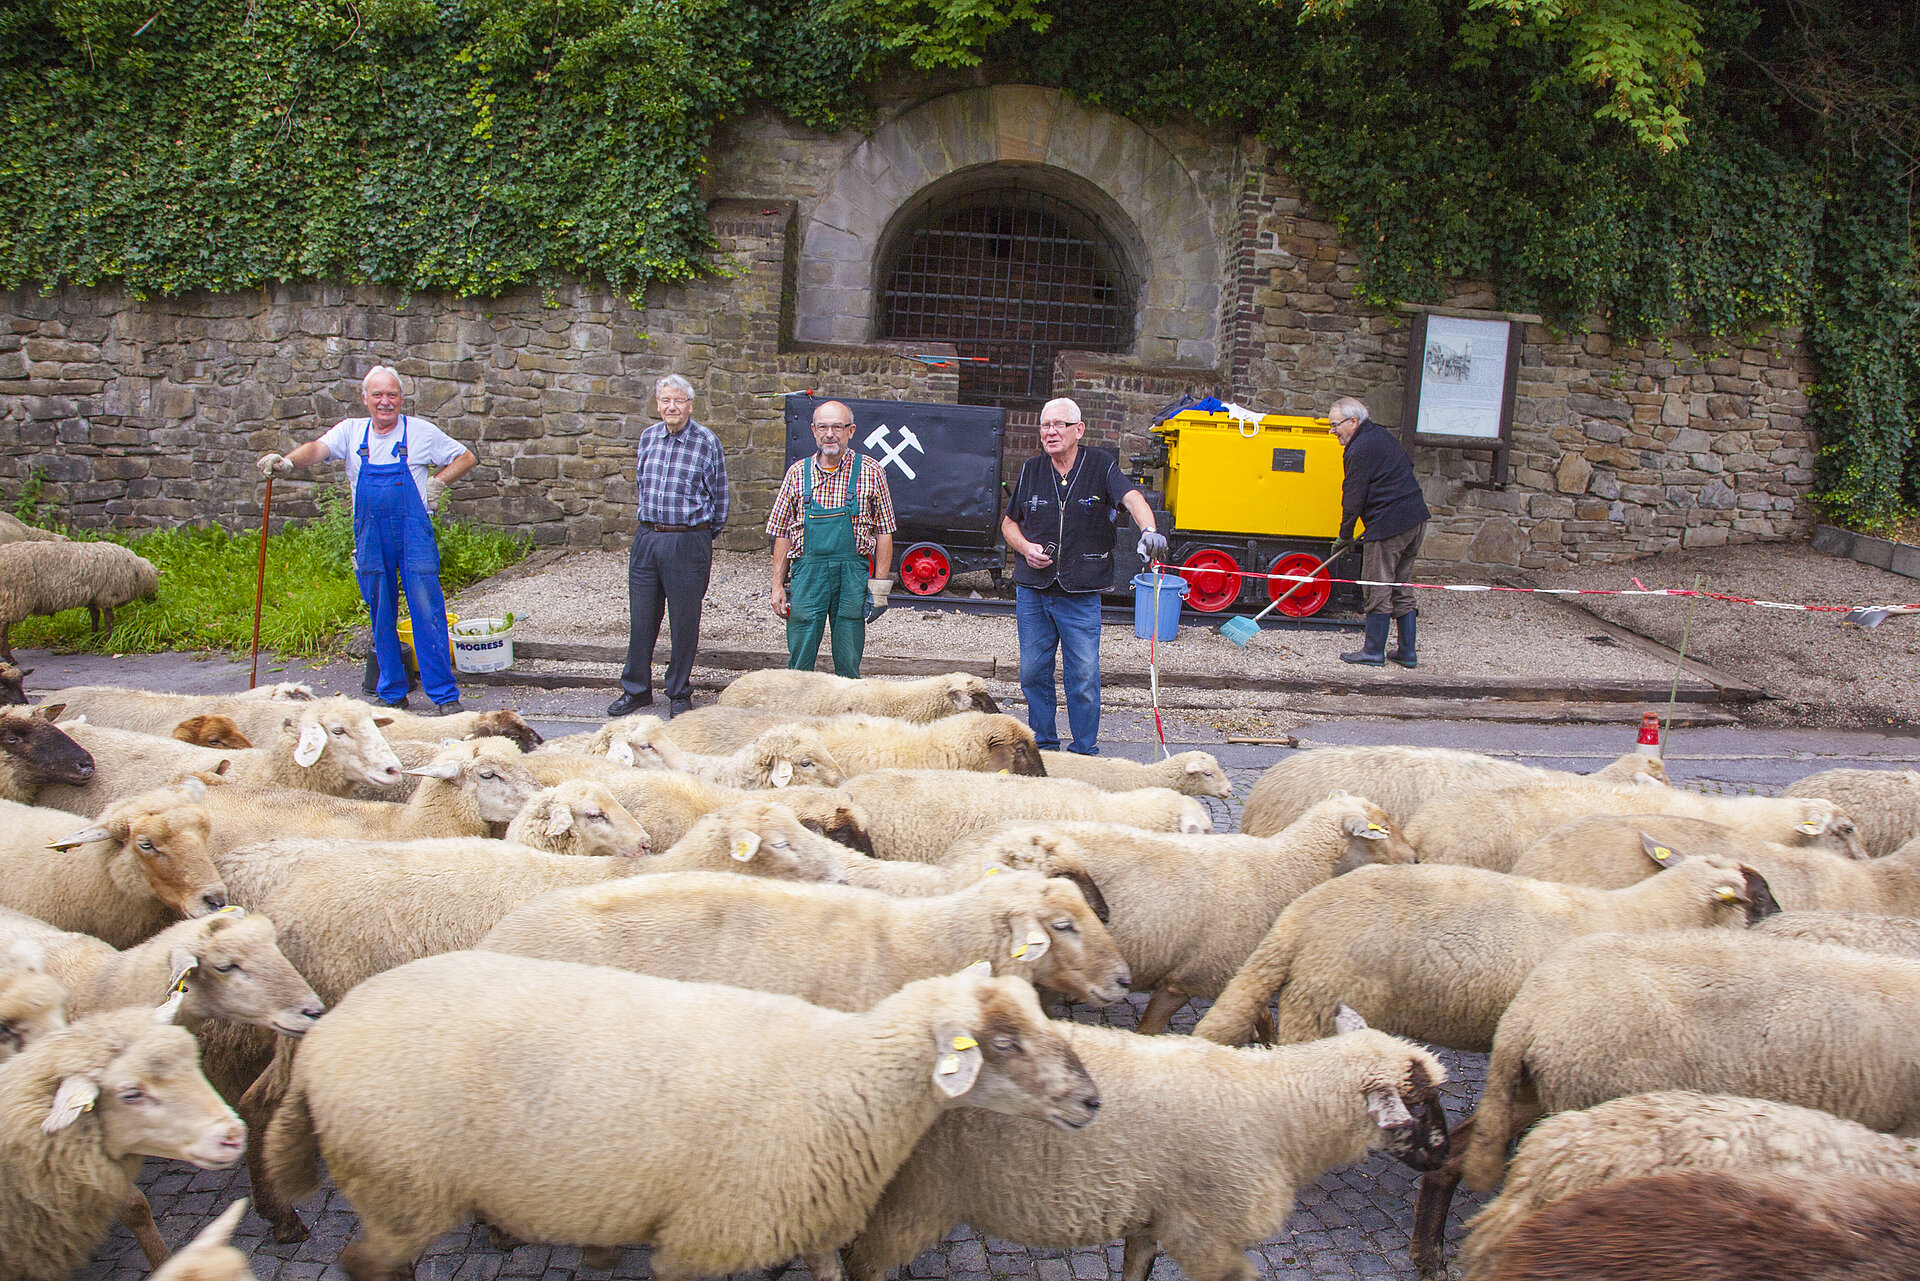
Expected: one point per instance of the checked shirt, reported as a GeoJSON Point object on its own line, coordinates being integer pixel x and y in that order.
{"type": "Point", "coordinates": [873, 517]}
{"type": "Point", "coordinates": [681, 479]}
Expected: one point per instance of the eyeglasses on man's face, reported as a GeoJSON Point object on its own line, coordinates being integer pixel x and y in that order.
{"type": "Point", "coordinates": [1055, 424]}
{"type": "Point", "coordinates": [832, 427]}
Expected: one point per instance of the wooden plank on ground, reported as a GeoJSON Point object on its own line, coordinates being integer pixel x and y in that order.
{"type": "Point", "coordinates": [1396, 683]}
{"type": "Point", "coordinates": [755, 659]}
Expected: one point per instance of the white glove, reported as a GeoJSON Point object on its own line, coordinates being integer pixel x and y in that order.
{"type": "Point", "coordinates": [431, 491]}
{"type": "Point", "coordinates": [877, 589]}
{"type": "Point", "coordinates": [1152, 546]}
{"type": "Point", "coordinates": [274, 464]}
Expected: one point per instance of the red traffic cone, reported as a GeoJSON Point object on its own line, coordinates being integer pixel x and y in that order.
{"type": "Point", "coordinates": [1650, 733]}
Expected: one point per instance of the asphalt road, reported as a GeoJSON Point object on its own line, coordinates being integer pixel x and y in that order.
{"type": "Point", "coordinates": [1351, 1222]}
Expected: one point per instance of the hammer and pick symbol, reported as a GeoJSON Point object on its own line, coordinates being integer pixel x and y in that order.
{"type": "Point", "coordinates": [891, 453]}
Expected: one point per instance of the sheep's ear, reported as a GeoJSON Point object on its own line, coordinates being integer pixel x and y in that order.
{"type": "Point", "coordinates": [437, 769]}
{"type": "Point", "coordinates": [29, 954]}
{"type": "Point", "coordinates": [192, 787]}
{"type": "Point", "coordinates": [620, 752]}
{"type": "Point", "coordinates": [222, 768]}
{"type": "Point", "coordinates": [313, 741]}
{"type": "Point", "coordinates": [217, 1232]}
{"type": "Point", "coordinates": [1196, 765]}
{"type": "Point", "coordinates": [381, 722]}
{"type": "Point", "coordinates": [1659, 853]}
{"type": "Point", "coordinates": [1365, 828]}
{"type": "Point", "coordinates": [962, 698]}
{"type": "Point", "coordinates": [1812, 826]}
{"type": "Point", "coordinates": [50, 711]}
{"type": "Point", "coordinates": [75, 1095]}
{"type": "Point", "coordinates": [746, 843]}
{"type": "Point", "coordinates": [956, 1062]}
{"type": "Point", "coordinates": [86, 836]}
{"type": "Point", "coordinates": [781, 774]}
{"type": "Point", "coordinates": [1347, 1019]}
{"type": "Point", "coordinates": [1027, 938]}
{"type": "Point", "coordinates": [1387, 1109]}
{"type": "Point", "coordinates": [1336, 793]}
{"type": "Point", "coordinates": [559, 819]}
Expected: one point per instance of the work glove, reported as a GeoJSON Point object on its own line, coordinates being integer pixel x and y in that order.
{"type": "Point", "coordinates": [274, 465]}
{"type": "Point", "coordinates": [431, 491]}
{"type": "Point", "coordinates": [1152, 547]}
{"type": "Point", "coordinates": [877, 589]}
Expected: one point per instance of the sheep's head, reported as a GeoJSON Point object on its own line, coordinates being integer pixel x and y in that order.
{"type": "Point", "coordinates": [1634, 768]}
{"type": "Point", "coordinates": [160, 847]}
{"type": "Point", "coordinates": [509, 724]}
{"type": "Point", "coordinates": [141, 1081]}
{"type": "Point", "coordinates": [1049, 935]}
{"type": "Point", "coordinates": [489, 771]}
{"type": "Point", "coordinates": [993, 1048]}
{"type": "Point", "coordinates": [212, 730]}
{"type": "Point", "coordinates": [1371, 835]}
{"type": "Point", "coordinates": [285, 691]}
{"type": "Point", "coordinates": [1194, 818]}
{"type": "Point", "coordinates": [228, 968]}
{"type": "Point", "coordinates": [969, 694]}
{"type": "Point", "coordinates": [640, 741]}
{"type": "Point", "coordinates": [208, 1257]}
{"type": "Point", "coordinates": [348, 733]}
{"type": "Point", "coordinates": [832, 814]}
{"type": "Point", "coordinates": [1401, 1085]}
{"type": "Point", "coordinates": [580, 816]}
{"type": "Point", "coordinates": [764, 838]}
{"type": "Point", "coordinates": [32, 1002]}
{"type": "Point", "coordinates": [1007, 746]}
{"type": "Point", "coordinates": [1201, 775]}
{"type": "Point", "coordinates": [13, 687]}
{"type": "Point", "coordinates": [1822, 824]}
{"type": "Point", "coordinates": [788, 754]}
{"type": "Point", "coordinates": [1731, 894]}
{"type": "Point", "coordinates": [41, 751]}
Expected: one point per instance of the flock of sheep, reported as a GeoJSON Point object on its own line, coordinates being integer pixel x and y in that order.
{"type": "Point", "coordinates": [766, 983]}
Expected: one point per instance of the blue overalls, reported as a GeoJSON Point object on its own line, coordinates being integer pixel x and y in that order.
{"type": "Point", "coordinates": [393, 547]}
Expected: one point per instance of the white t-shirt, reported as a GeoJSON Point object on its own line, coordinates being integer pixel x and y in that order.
{"type": "Point", "coordinates": [427, 446]}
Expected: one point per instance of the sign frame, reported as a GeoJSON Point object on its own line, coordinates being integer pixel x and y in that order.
{"type": "Point", "coordinates": [1420, 377]}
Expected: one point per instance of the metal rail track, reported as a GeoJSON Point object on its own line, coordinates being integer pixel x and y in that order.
{"type": "Point", "coordinates": [1116, 614]}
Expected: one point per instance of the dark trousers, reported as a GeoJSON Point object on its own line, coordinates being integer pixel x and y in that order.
{"type": "Point", "coordinates": [665, 572]}
{"type": "Point", "coordinates": [1390, 560]}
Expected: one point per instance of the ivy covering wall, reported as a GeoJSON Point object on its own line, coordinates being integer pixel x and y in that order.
{"type": "Point", "coordinates": [474, 145]}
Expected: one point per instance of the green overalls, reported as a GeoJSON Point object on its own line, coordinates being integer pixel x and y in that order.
{"type": "Point", "coordinates": [829, 581]}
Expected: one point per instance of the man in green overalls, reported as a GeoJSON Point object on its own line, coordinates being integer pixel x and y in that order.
{"type": "Point", "coordinates": [832, 517]}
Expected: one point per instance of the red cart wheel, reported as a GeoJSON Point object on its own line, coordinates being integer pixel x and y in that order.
{"type": "Point", "coordinates": [1214, 576]}
{"type": "Point", "coordinates": [925, 569]}
{"type": "Point", "coordinates": [1312, 596]}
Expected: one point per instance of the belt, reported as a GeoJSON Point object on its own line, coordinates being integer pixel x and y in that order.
{"type": "Point", "coordinates": [659, 528]}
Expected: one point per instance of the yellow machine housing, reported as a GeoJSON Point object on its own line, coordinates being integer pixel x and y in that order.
{"type": "Point", "coordinates": [1280, 478]}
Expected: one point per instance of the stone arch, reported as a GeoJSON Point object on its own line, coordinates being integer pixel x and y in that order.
{"type": "Point", "coordinates": [1178, 309]}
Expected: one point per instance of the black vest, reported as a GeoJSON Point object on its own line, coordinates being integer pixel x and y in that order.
{"type": "Point", "coordinates": [1074, 523]}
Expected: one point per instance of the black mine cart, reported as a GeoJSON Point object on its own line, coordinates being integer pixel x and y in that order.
{"type": "Point", "coordinates": [942, 464]}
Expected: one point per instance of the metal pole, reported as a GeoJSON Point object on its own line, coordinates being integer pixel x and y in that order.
{"type": "Point", "coordinates": [260, 585]}
{"type": "Point", "coordinates": [1679, 661]}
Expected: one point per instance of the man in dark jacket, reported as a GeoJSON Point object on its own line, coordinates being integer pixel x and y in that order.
{"type": "Point", "coordinates": [1380, 490]}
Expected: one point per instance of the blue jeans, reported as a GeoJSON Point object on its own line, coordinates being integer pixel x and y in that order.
{"type": "Point", "coordinates": [1071, 623]}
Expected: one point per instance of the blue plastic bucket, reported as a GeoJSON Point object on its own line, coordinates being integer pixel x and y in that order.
{"type": "Point", "coordinates": [1162, 614]}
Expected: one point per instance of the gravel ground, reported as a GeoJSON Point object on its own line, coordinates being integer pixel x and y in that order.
{"type": "Point", "coordinates": [582, 598]}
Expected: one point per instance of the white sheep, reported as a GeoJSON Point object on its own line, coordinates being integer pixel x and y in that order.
{"type": "Point", "coordinates": [32, 1003]}
{"type": "Point", "coordinates": [1187, 911]}
{"type": "Point", "coordinates": [918, 814]}
{"type": "Point", "coordinates": [1491, 829]}
{"type": "Point", "coordinates": [1438, 952]}
{"type": "Point", "coordinates": [1666, 1132]}
{"type": "Point", "coordinates": [48, 577]}
{"type": "Point", "coordinates": [1895, 935]}
{"type": "Point", "coordinates": [1192, 773]}
{"type": "Point", "coordinates": [986, 742]}
{"type": "Point", "coordinates": [1884, 804]}
{"type": "Point", "coordinates": [78, 1108]}
{"type": "Point", "coordinates": [120, 877]}
{"type": "Point", "coordinates": [929, 698]}
{"type": "Point", "coordinates": [1402, 779]}
{"type": "Point", "coordinates": [15, 530]}
{"type": "Point", "coordinates": [328, 746]}
{"type": "Point", "coordinates": [632, 730]}
{"type": "Point", "coordinates": [35, 753]}
{"type": "Point", "coordinates": [783, 755]}
{"type": "Point", "coordinates": [1199, 1147]}
{"type": "Point", "coordinates": [631, 1134]}
{"type": "Point", "coordinates": [578, 817]}
{"type": "Point", "coordinates": [833, 945]}
{"type": "Point", "coordinates": [147, 712]}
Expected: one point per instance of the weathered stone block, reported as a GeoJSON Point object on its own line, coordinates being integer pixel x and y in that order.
{"type": "Point", "coordinates": [1572, 475]}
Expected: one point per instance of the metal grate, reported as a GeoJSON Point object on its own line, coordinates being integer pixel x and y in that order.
{"type": "Point", "coordinates": [1013, 275]}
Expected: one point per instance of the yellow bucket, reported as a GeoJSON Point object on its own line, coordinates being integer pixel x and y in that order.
{"type": "Point", "coordinates": [405, 627]}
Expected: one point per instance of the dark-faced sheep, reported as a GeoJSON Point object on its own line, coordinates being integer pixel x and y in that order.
{"type": "Point", "coordinates": [36, 753]}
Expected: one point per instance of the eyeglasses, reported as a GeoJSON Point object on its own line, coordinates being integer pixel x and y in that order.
{"type": "Point", "coordinates": [833, 426]}
{"type": "Point", "coordinates": [1051, 422]}
{"type": "Point", "coordinates": [676, 402]}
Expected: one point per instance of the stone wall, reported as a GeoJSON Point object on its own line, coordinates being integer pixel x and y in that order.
{"type": "Point", "coordinates": [152, 412]}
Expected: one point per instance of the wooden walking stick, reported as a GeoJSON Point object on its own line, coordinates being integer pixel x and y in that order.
{"type": "Point", "coordinates": [260, 585]}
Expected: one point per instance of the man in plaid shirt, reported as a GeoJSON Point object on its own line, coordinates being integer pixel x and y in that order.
{"type": "Point", "coordinates": [832, 514]}
{"type": "Point", "coordinates": [681, 484]}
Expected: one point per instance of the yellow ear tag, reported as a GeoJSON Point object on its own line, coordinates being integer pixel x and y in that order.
{"type": "Point", "coordinates": [1035, 938]}
{"type": "Point", "coordinates": [948, 1065]}
{"type": "Point", "coordinates": [991, 871]}
{"type": "Point", "coordinates": [1726, 895]}
{"type": "Point", "coordinates": [231, 909]}
{"type": "Point", "coordinates": [1020, 951]}
{"type": "Point", "coordinates": [743, 849]}
{"type": "Point", "coordinates": [965, 1043]}
{"type": "Point", "coordinates": [1661, 853]}
{"type": "Point", "coordinates": [1375, 827]}
{"type": "Point", "coordinates": [1003, 771]}
{"type": "Point", "coordinates": [981, 969]}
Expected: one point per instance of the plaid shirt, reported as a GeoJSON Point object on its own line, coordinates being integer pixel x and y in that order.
{"type": "Point", "coordinates": [873, 517]}
{"type": "Point", "coordinates": [681, 479]}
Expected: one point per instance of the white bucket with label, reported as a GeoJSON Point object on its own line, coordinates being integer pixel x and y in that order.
{"type": "Point", "coordinates": [481, 644]}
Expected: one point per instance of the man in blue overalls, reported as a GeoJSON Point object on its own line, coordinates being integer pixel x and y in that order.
{"type": "Point", "coordinates": [387, 455]}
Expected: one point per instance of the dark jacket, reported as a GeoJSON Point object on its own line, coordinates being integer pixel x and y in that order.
{"type": "Point", "coordinates": [1380, 488]}
{"type": "Point", "coordinates": [1079, 532]}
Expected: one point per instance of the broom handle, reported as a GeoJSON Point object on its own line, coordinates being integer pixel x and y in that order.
{"type": "Point", "coordinates": [260, 585]}
{"type": "Point", "coordinates": [1304, 580]}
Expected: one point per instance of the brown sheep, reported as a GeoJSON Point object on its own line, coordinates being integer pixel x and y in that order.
{"type": "Point", "coordinates": [212, 730]}
{"type": "Point", "coordinates": [13, 683]}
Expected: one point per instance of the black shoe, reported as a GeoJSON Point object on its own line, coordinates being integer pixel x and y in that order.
{"type": "Point", "coordinates": [450, 708]}
{"type": "Point", "coordinates": [397, 704]}
{"type": "Point", "coordinates": [679, 706]}
{"type": "Point", "coordinates": [1407, 654]}
{"type": "Point", "coordinates": [1374, 652]}
{"type": "Point", "coordinates": [628, 704]}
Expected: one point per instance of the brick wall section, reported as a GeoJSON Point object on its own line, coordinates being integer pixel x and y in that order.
{"type": "Point", "coordinates": [148, 413]}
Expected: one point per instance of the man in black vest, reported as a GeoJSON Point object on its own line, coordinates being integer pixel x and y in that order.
{"type": "Point", "coordinates": [1381, 490]}
{"type": "Point", "coordinates": [1060, 523]}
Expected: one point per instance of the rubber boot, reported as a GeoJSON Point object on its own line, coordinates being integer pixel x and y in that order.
{"type": "Point", "coordinates": [1408, 653]}
{"type": "Point", "coordinates": [1374, 654]}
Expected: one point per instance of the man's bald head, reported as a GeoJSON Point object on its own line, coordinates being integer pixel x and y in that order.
{"type": "Point", "coordinates": [832, 429]}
